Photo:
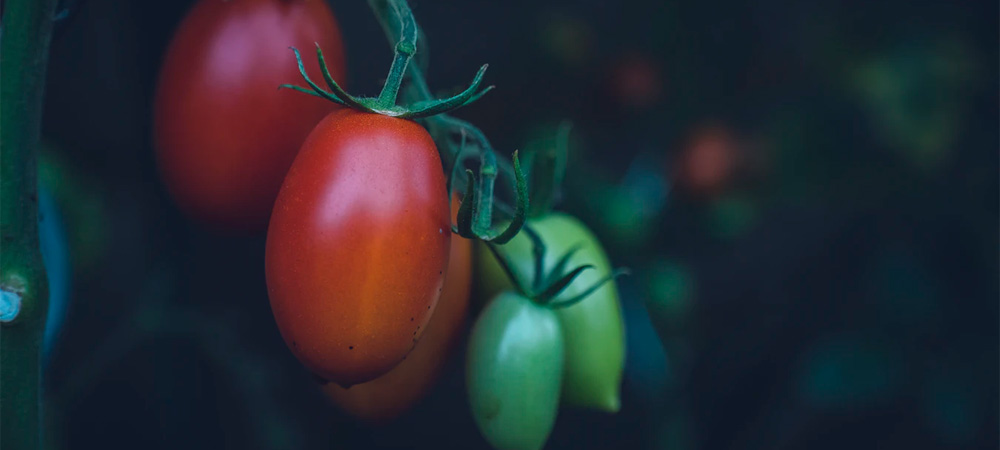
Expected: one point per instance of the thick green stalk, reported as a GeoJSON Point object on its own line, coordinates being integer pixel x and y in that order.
{"type": "Point", "coordinates": [24, 48]}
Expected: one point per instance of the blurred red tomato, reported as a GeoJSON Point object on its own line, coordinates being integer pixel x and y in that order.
{"type": "Point", "coordinates": [225, 135]}
{"type": "Point", "coordinates": [636, 82]}
{"type": "Point", "coordinates": [708, 161]}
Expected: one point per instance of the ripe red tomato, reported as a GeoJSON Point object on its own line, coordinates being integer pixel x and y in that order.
{"type": "Point", "coordinates": [358, 244]}
{"type": "Point", "coordinates": [225, 136]}
{"type": "Point", "coordinates": [388, 396]}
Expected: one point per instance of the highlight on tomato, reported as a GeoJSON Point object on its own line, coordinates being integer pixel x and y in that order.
{"type": "Point", "coordinates": [388, 396]}
{"type": "Point", "coordinates": [225, 135]}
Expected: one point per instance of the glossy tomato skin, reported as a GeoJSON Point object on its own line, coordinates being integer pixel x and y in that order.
{"type": "Point", "coordinates": [513, 373]}
{"type": "Point", "coordinates": [594, 329]}
{"type": "Point", "coordinates": [357, 245]}
{"type": "Point", "coordinates": [225, 135]}
{"type": "Point", "coordinates": [388, 396]}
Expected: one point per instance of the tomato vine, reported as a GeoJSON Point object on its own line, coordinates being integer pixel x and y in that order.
{"type": "Point", "coordinates": [475, 217]}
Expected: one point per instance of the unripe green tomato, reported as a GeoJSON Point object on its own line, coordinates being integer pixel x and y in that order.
{"type": "Point", "coordinates": [513, 373]}
{"type": "Point", "coordinates": [593, 329]}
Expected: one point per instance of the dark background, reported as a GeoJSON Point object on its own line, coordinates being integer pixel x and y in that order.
{"type": "Point", "coordinates": [835, 286]}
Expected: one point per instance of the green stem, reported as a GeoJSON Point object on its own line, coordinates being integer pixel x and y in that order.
{"type": "Point", "coordinates": [399, 25]}
{"type": "Point", "coordinates": [387, 99]}
{"type": "Point", "coordinates": [483, 220]}
{"type": "Point", "coordinates": [24, 48]}
{"type": "Point", "coordinates": [405, 48]}
{"type": "Point", "coordinates": [487, 170]}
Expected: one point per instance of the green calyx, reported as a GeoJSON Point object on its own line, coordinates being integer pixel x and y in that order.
{"type": "Point", "coordinates": [475, 215]}
{"type": "Point", "coordinates": [546, 286]}
{"type": "Point", "coordinates": [385, 103]}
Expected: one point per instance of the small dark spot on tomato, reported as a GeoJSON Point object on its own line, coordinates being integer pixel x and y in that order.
{"type": "Point", "coordinates": [295, 344]}
{"type": "Point", "coordinates": [351, 347]}
{"type": "Point", "coordinates": [411, 319]}
{"type": "Point", "coordinates": [490, 407]}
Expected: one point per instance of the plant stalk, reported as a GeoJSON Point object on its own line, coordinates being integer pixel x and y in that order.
{"type": "Point", "coordinates": [24, 48]}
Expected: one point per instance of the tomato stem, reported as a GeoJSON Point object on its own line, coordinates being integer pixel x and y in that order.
{"type": "Point", "coordinates": [404, 50]}
{"type": "Point", "coordinates": [403, 24]}
{"type": "Point", "coordinates": [24, 48]}
{"type": "Point", "coordinates": [456, 162]}
{"type": "Point", "coordinates": [466, 209]}
{"type": "Point", "coordinates": [400, 26]}
{"type": "Point", "coordinates": [538, 252]}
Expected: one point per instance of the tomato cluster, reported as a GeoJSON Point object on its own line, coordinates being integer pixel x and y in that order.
{"type": "Point", "coordinates": [367, 282]}
{"type": "Point", "coordinates": [585, 357]}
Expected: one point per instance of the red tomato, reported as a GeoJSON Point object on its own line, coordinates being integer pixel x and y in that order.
{"type": "Point", "coordinates": [636, 82]}
{"type": "Point", "coordinates": [225, 134]}
{"type": "Point", "coordinates": [357, 245]}
{"type": "Point", "coordinates": [707, 163]}
{"type": "Point", "coordinates": [388, 396]}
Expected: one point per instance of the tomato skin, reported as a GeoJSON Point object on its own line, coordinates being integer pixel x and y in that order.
{"type": "Point", "coordinates": [514, 370]}
{"type": "Point", "coordinates": [357, 245]}
{"type": "Point", "coordinates": [594, 329]}
{"type": "Point", "coordinates": [225, 135]}
{"type": "Point", "coordinates": [388, 396]}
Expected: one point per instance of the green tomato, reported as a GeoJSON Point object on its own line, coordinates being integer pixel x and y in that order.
{"type": "Point", "coordinates": [593, 329]}
{"type": "Point", "coordinates": [514, 371]}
